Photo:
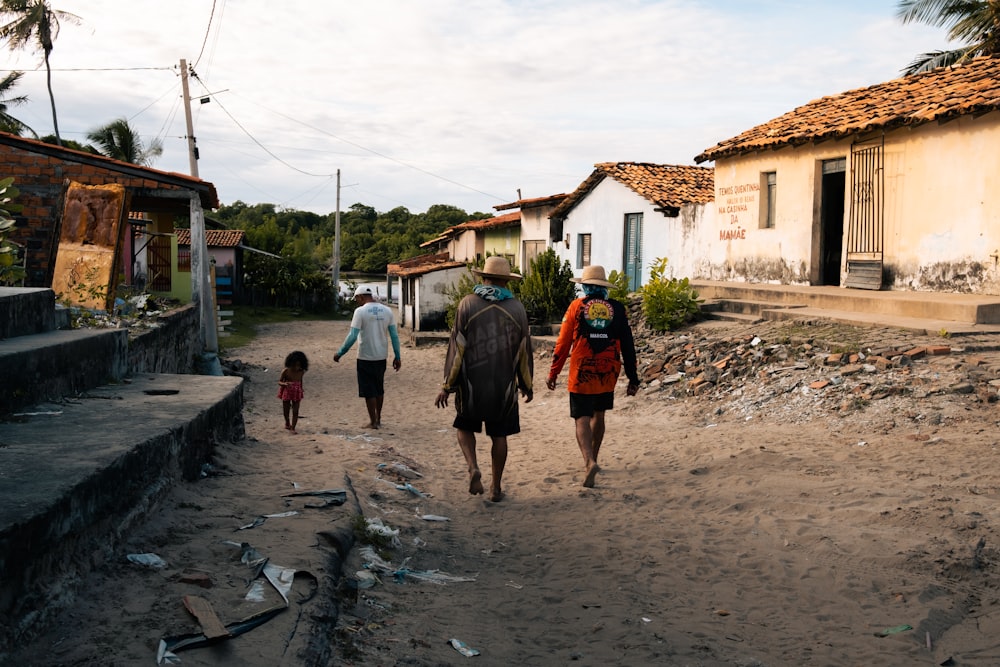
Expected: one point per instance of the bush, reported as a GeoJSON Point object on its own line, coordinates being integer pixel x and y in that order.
{"type": "Point", "coordinates": [620, 290]}
{"type": "Point", "coordinates": [10, 269]}
{"type": "Point", "coordinates": [455, 293]}
{"type": "Point", "coordinates": [548, 289]}
{"type": "Point", "coordinates": [668, 303]}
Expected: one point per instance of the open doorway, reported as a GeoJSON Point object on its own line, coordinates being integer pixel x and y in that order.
{"type": "Point", "coordinates": [831, 220]}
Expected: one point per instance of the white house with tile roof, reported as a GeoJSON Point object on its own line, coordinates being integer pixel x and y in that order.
{"type": "Point", "coordinates": [626, 215]}
{"type": "Point", "coordinates": [538, 232]}
{"type": "Point", "coordinates": [893, 186]}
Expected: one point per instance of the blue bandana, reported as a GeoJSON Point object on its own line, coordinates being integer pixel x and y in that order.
{"type": "Point", "coordinates": [599, 291]}
{"type": "Point", "coordinates": [493, 292]}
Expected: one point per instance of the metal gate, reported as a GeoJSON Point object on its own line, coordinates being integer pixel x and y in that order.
{"type": "Point", "coordinates": [866, 229]}
{"type": "Point", "coordinates": [158, 264]}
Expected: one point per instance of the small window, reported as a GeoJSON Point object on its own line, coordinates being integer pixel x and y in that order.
{"type": "Point", "coordinates": [184, 258]}
{"type": "Point", "coordinates": [769, 200]}
{"type": "Point", "coordinates": [582, 250]}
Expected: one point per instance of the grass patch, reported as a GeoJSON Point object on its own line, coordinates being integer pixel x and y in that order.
{"type": "Point", "coordinates": [246, 319]}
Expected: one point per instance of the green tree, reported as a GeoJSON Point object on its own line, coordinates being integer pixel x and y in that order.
{"type": "Point", "coordinates": [120, 141]}
{"type": "Point", "coordinates": [973, 23]}
{"type": "Point", "coordinates": [7, 122]}
{"type": "Point", "coordinates": [34, 24]}
{"type": "Point", "coordinates": [548, 289]}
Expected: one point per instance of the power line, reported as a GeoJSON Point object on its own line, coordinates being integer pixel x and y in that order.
{"type": "Point", "coordinates": [375, 152]}
{"type": "Point", "coordinates": [262, 146]}
{"type": "Point", "coordinates": [208, 29]}
{"type": "Point", "coordinates": [90, 69]}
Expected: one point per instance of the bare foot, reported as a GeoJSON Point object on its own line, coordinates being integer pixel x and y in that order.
{"type": "Point", "coordinates": [496, 495]}
{"type": "Point", "coordinates": [591, 475]}
{"type": "Point", "coordinates": [294, 432]}
{"type": "Point", "coordinates": [370, 425]}
{"type": "Point", "coordinates": [476, 483]}
{"type": "Point", "coordinates": [288, 426]}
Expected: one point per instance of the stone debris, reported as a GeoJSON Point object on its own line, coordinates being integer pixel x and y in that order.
{"type": "Point", "coordinates": [797, 371]}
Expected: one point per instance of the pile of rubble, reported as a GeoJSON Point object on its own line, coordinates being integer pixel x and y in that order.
{"type": "Point", "coordinates": [797, 371]}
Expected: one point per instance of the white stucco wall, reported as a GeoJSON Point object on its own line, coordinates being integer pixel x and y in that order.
{"type": "Point", "coordinates": [432, 298]}
{"type": "Point", "coordinates": [686, 240]}
{"type": "Point", "coordinates": [941, 209]}
{"type": "Point", "coordinates": [463, 247]}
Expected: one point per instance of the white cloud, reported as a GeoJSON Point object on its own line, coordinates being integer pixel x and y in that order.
{"type": "Point", "coordinates": [457, 102]}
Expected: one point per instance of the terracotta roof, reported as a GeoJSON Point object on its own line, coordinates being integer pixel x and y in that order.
{"type": "Point", "coordinates": [667, 186]}
{"type": "Point", "coordinates": [938, 95]}
{"type": "Point", "coordinates": [496, 222]}
{"type": "Point", "coordinates": [214, 238]}
{"type": "Point", "coordinates": [551, 200]}
{"type": "Point", "coordinates": [416, 266]}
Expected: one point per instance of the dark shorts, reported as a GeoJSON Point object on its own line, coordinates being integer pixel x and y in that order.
{"type": "Point", "coordinates": [502, 428]}
{"type": "Point", "coordinates": [585, 405]}
{"type": "Point", "coordinates": [371, 378]}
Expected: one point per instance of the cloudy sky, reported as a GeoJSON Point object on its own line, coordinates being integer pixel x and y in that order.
{"type": "Point", "coordinates": [460, 102]}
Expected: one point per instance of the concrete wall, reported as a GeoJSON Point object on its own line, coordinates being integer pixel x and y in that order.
{"type": "Point", "coordinates": [51, 365]}
{"type": "Point", "coordinates": [686, 240]}
{"type": "Point", "coordinates": [505, 241]}
{"type": "Point", "coordinates": [433, 298]}
{"type": "Point", "coordinates": [941, 210]}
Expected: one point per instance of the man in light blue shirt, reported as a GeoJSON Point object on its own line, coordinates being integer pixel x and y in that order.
{"type": "Point", "coordinates": [375, 324]}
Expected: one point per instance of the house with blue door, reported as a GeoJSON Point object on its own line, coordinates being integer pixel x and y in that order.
{"type": "Point", "coordinates": [626, 215]}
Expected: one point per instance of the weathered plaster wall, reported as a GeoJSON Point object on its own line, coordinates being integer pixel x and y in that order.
{"type": "Point", "coordinates": [941, 209]}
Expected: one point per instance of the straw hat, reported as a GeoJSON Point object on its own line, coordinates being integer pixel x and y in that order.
{"type": "Point", "coordinates": [497, 267]}
{"type": "Point", "coordinates": [593, 275]}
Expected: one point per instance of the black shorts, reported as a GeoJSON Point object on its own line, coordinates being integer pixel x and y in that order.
{"type": "Point", "coordinates": [496, 429]}
{"type": "Point", "coordinates": [585, 405]}
{"type": "Point", "coordinates": [371, 378]}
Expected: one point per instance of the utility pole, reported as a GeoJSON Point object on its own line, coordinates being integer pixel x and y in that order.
{"type": "Point", "coordinates": [192, 147]}
{"type": "Point", "coordinates": [201, 269]}
{"type": "Point", "coordinates": [336, 248]}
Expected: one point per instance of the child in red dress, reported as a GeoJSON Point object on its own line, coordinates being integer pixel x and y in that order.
{"type": "Point", "coordinates": [290, 387]}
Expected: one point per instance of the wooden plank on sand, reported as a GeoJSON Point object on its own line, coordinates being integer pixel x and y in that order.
{"type": "Point", "coordinates": [202, 610]}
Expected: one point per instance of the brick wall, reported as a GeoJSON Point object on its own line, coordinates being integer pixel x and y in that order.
{"type": "Point", "coordinates": [42, 172]}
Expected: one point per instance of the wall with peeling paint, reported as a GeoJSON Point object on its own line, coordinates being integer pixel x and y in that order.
{"type": "Point", "coordinates": [941, 210]}
{"type": "Point", "coordinates": [685, 240]}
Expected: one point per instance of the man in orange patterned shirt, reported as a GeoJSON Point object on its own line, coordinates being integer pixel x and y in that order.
{"type": "Point", "coordinates": [596, 338]}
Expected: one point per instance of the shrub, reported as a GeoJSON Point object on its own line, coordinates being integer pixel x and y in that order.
{"type": "Point", "coordinates": [548, 289]}
{"type": "Point", "coordinates": [620, 290]}
{"type": "Point", "coordinates": [668, 303]}
{"type": "Point", "coordinates": [10, 269]}
{"type": "Point", "coordinates": [456, 292]}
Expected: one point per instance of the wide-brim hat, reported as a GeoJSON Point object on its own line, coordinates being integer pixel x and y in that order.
{"type": "Point", "coordinates": [593, 275]}
{"type": "Point", "coordinates": [497, 267]}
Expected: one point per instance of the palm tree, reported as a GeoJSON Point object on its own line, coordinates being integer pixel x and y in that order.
{"type": "Point", "coordinates": [975, 23]}
{"type": "Point", "coordinates": [34, 24]}
{"type": "Point", "coordinates": [7, 122]}
{"type": "Point", "coordinates": [120, 141]}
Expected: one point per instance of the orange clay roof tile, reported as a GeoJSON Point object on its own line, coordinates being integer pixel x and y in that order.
{"type": "Point", "coordinates": [938, 95]}
{"type": "Point", "coordinates": [665, 185]}
{"type": "Point", "coordinates": [214, 238]}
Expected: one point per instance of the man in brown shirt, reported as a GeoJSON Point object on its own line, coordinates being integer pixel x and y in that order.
{"type": "Point", "coordinates": [489, 361]}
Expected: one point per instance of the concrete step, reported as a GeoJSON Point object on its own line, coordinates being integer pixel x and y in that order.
{"type": "Point", "coordinates": [53, 364]}
{"type": "Point", "coordinates": [966, 309]}
{"type": "Point", "coordinates": [25, 311]}
{"type": "Point", "coordinates": [76, 476]}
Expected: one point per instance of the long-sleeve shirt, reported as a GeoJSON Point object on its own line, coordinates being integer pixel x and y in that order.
{"type": "Point", "coordinates": [596, 338]}
{"type": "Point", "coordinates": [377, 326]}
